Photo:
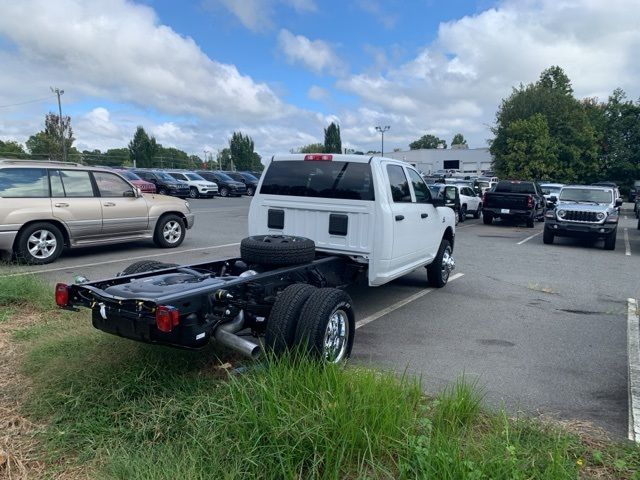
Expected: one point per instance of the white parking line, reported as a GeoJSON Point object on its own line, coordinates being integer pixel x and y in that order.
{"type": "Point", "coordinates": [633, 354]}
{"type": "Point", "coordinates": [401, 303]}
{"type": "Point", "coordinates": [106, 262]}
{"type": "Point", "coordinates": [528, 238]}
{"type": "Point", "coordinates": [627, 245]}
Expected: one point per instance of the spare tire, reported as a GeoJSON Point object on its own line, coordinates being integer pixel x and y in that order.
{"type": "Point", "coordinates": [277, 250]}
{"type": "Point", "coordinates": [145, 266]}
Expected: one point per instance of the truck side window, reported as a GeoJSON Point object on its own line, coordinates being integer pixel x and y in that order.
{"type": "Point", "coordinates": [399, 184]}
{"type": "Point", "coordinates": [419, 187]}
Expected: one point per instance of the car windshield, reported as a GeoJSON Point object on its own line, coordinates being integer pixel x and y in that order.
{"type": "Point", "coordinates": [482, 184]}
{"type": "Point", "coordinates": [585, 195]}
{"type": "Point", "coordinates": [166, 177]}
{"type": "Point", "coordinates": [224, 176]}
{"type": "Point", "coordinates": [129, 175]}
{"type": "Point", "coordinates": [248, 177]}
{"type": "Point", "coordinates": [549, 189]}
{"type": "Point", "coordinates": [194, 176]}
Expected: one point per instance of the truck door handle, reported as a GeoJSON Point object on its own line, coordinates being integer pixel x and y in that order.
{"type": "Point", "coordinates": [60, 205]}
{"type": "Point", "coordinates": [424, 215]}
{"type": "Point", "coordinates": [109, 204]}
{"type": "Point", "coordinates": [399, 217]}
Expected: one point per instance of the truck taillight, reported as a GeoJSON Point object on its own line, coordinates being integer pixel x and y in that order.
{"type": "Point", "coordinates": [167, 317]}
{"type": "Point", "coordinates": [62, 294]}
{"type": "Point", "coordinates": [319, 157]}
{"type": "Point", "coordinates": [530, 201]}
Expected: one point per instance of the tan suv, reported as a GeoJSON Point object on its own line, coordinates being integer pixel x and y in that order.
{"type": "Point", "coordinates": [45, 206]}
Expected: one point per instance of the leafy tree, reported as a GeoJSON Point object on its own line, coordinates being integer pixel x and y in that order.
{"type": "Point", "coordinates": [224, 159]}
{"type": "Point", "coordinates": [312, 148]}
{"type": "Point", "coordinates": [572, 134]}
{"type": "Point", "coordinates": [242, 152]}
{"type": "Point", "coordinates": [458, 139]}
{"type": "Point", "coordinates": [143, 148]}
{"type": "Point", "coordinates": [332, 141]}
{"type": "Point", "coordinates": [40, 145]}
{"type": "Point", "coordinates": [48, 142]}
{"type": "Point", "coordinates": [12, 149]}
{"type": "Point", "coordinates": [427, 141]}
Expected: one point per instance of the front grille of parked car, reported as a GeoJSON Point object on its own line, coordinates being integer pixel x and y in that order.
{"type": "Point", "coordinates": [578, 216]}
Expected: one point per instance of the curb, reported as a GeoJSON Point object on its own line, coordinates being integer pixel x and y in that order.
{"type": "Point", "coordinates": [633, 352]}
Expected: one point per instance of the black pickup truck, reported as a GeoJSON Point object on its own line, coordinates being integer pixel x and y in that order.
{"type": "Point", "coordinates": [516, 200]}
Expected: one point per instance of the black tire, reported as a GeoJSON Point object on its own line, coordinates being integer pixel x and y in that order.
{"type": "Point", "coordinates": [547, 237]}
{"type": "Point", "coordinates": [145, 266]}
{"type": "Point", "coordinates": [193, 192]}
{"type": "Point", "coordinates": [531, 221]}
{"type": "Point", "coordinates": [224, 192]}
{"type": "Point", "coordinates": [463, 213]}
{"type": "Point", "coordinates": [277, 250]}
{"type": "Point", "coordinates": [487, 218]}
{"type": "Point", "coordinates": [319, 309]}
{"type": "Point", "coordinates": [283, 319]}
{"type": "Point", "coordinates": [477, 213]}
{"type": "Point", "coordinates": [249, 191]}
{"type": "Point", "coordinates": [638, 223]}
{"type": "Point", "coordinates": [162, 191]}
{"type": "Point", "coordinates": [437, 271]}
{"type": "Point", "coordinates": [31, 237]}
{"type": "Point", "coordinates": [170, 231]}
{"type": "Point", "coordinates": [610, 241]}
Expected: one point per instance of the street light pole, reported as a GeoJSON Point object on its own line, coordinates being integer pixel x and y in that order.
{"type": "Point", "coordinates": [205, 159]}
{"type": "Point", "coordinates": [382, 130]}
{"type": "Point", "coordinates": [59, 92]}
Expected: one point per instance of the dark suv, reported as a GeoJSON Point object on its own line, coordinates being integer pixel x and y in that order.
{"type": "Point", "coordinates": [249, 180]}
{"type": "Point", "coordinates": [227, 186]}
{"type": "Point", "coordinates": [165, 183]}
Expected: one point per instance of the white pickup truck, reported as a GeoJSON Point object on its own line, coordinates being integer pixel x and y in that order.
{"type": "Point", "coordinates": [318, 223]}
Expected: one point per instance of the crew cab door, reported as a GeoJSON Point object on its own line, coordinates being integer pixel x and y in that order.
{"type": "Point", "coordinates": [123, 212]}
{"type": "Point", "coordinates": [429, 221]}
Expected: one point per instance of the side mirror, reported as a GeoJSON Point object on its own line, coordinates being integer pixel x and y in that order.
{"type": "Point", "coordinates": [552, 199]}
{"type": "Point", "coordinates": [130, 193]}
{"type": "Point", "coordinates": [618, 202]}
{"type": "Point", "coordinates": [138, 192]}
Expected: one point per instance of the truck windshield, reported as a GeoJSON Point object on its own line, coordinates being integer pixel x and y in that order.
{"type": "Point", "coordinates": [585, 195]}
{"type": "Point", "coordinates": [325, 179]}
{"type": "Point", "coordinates": [515, 187]}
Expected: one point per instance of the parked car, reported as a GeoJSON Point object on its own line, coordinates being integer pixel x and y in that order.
{"type": "Point", "coordinates": [551, 189]}
{"type": "Point", "coordinates": [165, 183]}
{"type": "Point", "coordinates": [583, 211]}
{"type": "Point", "coordinates": [316, 226]}
{"type": "Point", "coordinates": [198, 186]}
{"type": "Point", "coordinates": [249, 180]}
{"type": "Point", "coordinates": [634, 191]}
{"type": "Point", "coordinates": [227, 186]}
{"type": "Point", "coordinates": [516, 200]}
{"type": "Point", "coordinates": [136, 181]}
{"type": "Point", "coordinates": [470, 202]}
{"type": "Point", "coordinates": [46, 206]}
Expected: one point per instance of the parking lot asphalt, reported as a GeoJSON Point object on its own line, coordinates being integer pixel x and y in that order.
{"type": "Point", "coordinates": [540, 328]}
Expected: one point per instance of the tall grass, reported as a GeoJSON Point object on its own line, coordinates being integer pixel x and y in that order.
{"type": "Point", "coordinates": [25, 291]}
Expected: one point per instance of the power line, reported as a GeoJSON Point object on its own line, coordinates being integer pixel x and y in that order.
{"type": "Point", "coordinates": [27, 102]}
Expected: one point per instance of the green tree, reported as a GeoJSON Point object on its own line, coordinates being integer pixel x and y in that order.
{"type": "Point", "coordinates": [332, 141]}
{"type": "Point", "coordinates": [427, 141]}
{"type": "Point", "coordinates": [531, 152]}
{"type": "Point", "coordinates": [142, 149]}
{"type": "Point", "coordinates": [242, 152]}
{"type": "Point", "coordinates": [573, 136]}
{"type": "Point", "coordinates": [223, 159]}
{"type": "Point", "coordinates": [458, 139]}
{"type": "Point", "coordinates": [312, 148]}
{"type": "Point", "coordinates": [48, 142]}
{"type": "Point", "coordinates": [12, 149]}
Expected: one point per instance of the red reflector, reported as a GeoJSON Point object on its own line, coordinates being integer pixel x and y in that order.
{"type": "Point", "coordinates": [62, 294]}
{"type": "Point", "coordinates": [166, 318]}
{"type": "Point", "coordinates": [315, 156]}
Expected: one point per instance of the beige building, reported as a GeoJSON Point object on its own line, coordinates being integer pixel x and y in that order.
{"type": "Point", "coordinates": [467, 160]}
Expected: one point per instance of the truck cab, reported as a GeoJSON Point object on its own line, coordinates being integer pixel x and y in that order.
{"type": "Point", "coordinates": [378, 211]}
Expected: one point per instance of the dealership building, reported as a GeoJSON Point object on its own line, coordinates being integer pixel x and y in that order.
{"type": "Point", "coordinates": [429, 160]}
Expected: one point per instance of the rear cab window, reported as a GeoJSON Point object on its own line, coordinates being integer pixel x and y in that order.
{"type": "Point", "coordinates": [515, 187]}
{"type": "Point", "coordinates": [24, 183]}
{"type": "Point", "coordinates": [322, 179]}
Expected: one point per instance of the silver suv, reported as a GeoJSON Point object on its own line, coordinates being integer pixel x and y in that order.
{"type": "Point", "coordinates": [45, 206]}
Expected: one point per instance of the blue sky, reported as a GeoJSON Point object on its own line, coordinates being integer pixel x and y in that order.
{"type": "Point", "coordinates": [193, 72]}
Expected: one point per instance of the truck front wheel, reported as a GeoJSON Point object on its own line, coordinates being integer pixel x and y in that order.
{"type": "Point", "coordinates": [487, 218]}
{"type": "Point", "coordinates": [327, 325]}
{"type": "Point", "coordinates": [547, 237]}
{"type": "Point", "coordinates": [439, 270]}
{"type": "Point", "coordinates": [610, 241]}
{"type": "Point", "coordinates": [283, 319]}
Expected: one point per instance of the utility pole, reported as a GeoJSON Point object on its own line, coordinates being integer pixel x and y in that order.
{"type": "Point", "coordinates": [382, 130]}
{"type": "Point", "coordinates": [59, 92]}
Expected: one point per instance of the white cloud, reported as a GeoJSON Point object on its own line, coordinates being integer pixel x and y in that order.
{"type": "Point", "coordinates": [317, 93]}
{"type": "Point", "coordinates": [257, 15]}
{"type": "Point", "coordinates": [372, 7]}
{"type": "Point", "coordinates": [115, 49]}
{"type": "Point", "coordinates": [302, 5]}
{"type": "Point", "coordinates": [315, 55]}
{"type": "Point", "coordinates": [456, 83]}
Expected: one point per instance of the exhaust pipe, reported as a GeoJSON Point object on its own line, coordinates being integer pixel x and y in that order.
{"type": "Point", "coordinates": [226, 335]}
